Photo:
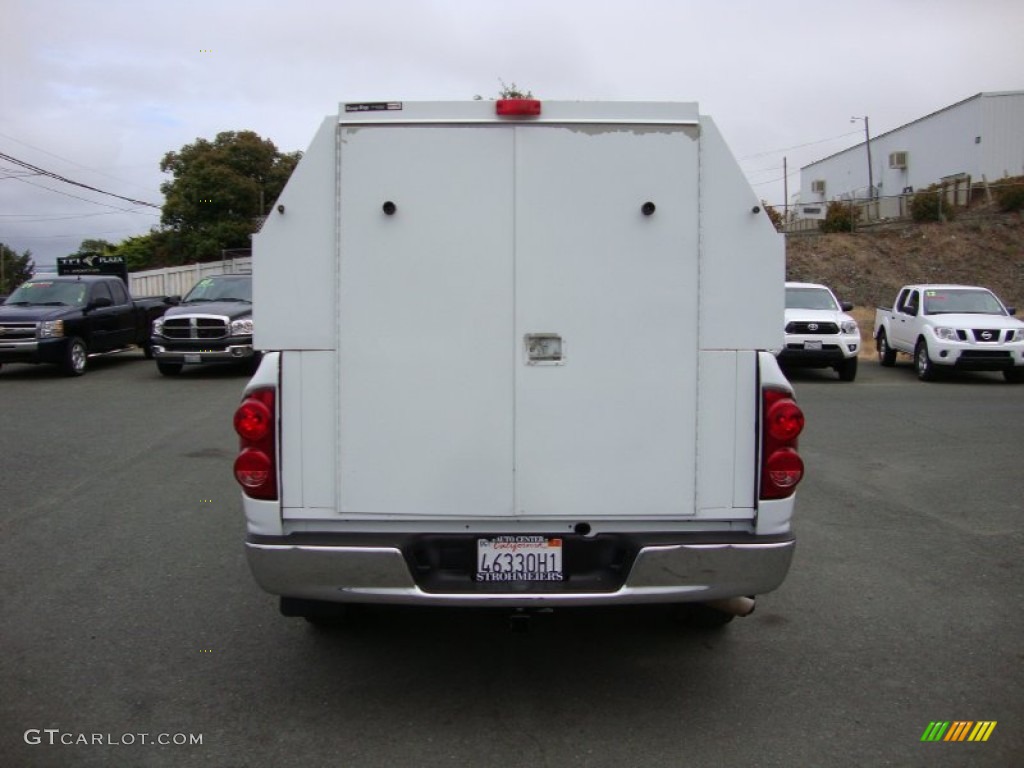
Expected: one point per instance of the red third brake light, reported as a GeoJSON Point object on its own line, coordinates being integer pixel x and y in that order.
{"type": "Point", "coordinates": [518, 107]}
{"type": "Point", "coordinates": [781, 466]}
{"type": "Point", "coordinates": [256, 464]}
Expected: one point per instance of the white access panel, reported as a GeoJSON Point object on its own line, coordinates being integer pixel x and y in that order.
{"type": "Point", "coordinates": [610, 428]}
{"type": "Point", "coordinates": [726, 434]}
{"type": "Point", "coordinates": [293, 273]}
{"type": "Point", "coordinates": [307, 445]}
{"type": "Point", "coordinates": [743, 258]}
{"type": "Point", "coordinates": [426, 321]}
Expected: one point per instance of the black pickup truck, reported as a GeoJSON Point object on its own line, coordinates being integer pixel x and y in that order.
{"type": "Point", "coordinates": [63, 320]}
{"type": "Point", "coordinates": [213, 324]}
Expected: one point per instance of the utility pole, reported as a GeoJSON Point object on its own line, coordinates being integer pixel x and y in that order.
{"type": "Point", "coordinates": [785, 195]}
{"type": "Point", "coordinates": [867, 146]}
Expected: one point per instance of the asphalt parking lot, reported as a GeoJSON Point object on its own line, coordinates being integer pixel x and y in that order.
{"type": "Point", "coordinates": [128, 608]}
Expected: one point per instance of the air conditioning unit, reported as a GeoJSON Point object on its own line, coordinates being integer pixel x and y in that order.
{"type": "Point", "coordinates": [898, 160]}
{"type": "Point", "coordinates": [818, 186]}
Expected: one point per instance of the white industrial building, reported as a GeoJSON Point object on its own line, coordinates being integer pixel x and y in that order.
{"type": "Point", "coordinates": [980, 138]}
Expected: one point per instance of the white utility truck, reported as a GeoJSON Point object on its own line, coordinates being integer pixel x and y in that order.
{"type": "Point", "coordinates": [516, 355]}
{"type": "Point", "coordinates": [951, 327]}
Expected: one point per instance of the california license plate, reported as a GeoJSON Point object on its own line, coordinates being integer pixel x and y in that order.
{"type": "Point", "coordinates": [812, 345]}
{"type": "Point", "coordinates": [193, 358]}
{"type": "Point", "coordinates": [519, 558]}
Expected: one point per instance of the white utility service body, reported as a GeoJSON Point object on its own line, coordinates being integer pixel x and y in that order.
{"type": "Point", "coordinates": [543, 332]}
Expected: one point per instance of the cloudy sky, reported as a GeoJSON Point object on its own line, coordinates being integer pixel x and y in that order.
{"type": "Point", "coordinates": [98, 90]}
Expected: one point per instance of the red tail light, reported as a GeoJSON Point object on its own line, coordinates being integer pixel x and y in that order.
{"type": "Point", "coordinates": [252, 420]}
{"type": "Point", "coordinates": [256, 465]}
{"type": "Point", "coordinates": [781, 466]}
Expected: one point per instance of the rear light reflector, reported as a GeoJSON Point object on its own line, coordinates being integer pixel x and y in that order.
{"type": "Point", "coordinates": [256, 464]}
{"type": "Point", "coordinates": [252, 468]}
{"type": "Point", "coordinates": [782, 469]}
{"type": "Point", "coordinates": [785, 468]}
{"type": "Point", "coordinates": [517, 107]}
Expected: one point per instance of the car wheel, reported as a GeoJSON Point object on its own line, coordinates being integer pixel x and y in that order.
{"type": "Point", "coordinates": [922, 363]}
{"type": "Point", "coordinates": [886, 354]}
{"type": "Point", "coordinates": [168, 369]}
{"type": "Point", "coordinates": [147, 351]}
{"type": "Point", "coordinates": [76, 357]}
{"type": "Point", "coordinates": [847, 369]}
{"type": "Point", "coordinates": [1014, 375]}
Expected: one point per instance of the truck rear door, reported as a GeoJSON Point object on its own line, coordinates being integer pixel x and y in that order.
{"type": "Point", "coordinates": [610, 428]}
{"type": "Point", "coordinates": [518, 320]}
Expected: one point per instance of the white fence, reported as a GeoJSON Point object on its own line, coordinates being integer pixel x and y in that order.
{"type": "Point", "coordinates": [176, 281]}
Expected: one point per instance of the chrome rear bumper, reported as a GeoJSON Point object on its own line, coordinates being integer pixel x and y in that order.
{"type": "Point", "coordinates": [685, 572]}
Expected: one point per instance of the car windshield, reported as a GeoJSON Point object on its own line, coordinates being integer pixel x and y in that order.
{"type": "Point", "coordinates": [966, 301]}
{"type": "Point", "coordinates": [810, 298]}
{"type": "Point", "coordinates": [222, 289]}
{"type": "Point", "coordinates": [50, 292]}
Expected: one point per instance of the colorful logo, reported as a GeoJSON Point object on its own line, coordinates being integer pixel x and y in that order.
{"type": "Point", "coordinates": [959, 730]}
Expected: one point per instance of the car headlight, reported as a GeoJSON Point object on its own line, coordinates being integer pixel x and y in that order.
{"type": "Point", "coordinates": [51, 329]}
{"type": "Point", "coordinates": [849, 327]}
{"type": "Point", "coordinates": [946, 334]}
{"type": "Point", "coordinates": [1018, 335]}
{"type": "Point", "coordinates": [241, 327]}
{"type": "Point", "coordinates": [158, 327]}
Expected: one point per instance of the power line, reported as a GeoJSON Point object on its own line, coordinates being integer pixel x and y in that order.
{"type": "Point", "coordinates": [800, 146]}
{"type": "Point", "coordinates": [75, 236]}
{"type": "Point", "coordinates": [32, 218]}
{"type": "Point", "coordinates": [66, 180]}
{"type": "Point", "coordinates": [68, 160]}
{"type": "Point", "coordinates": [94, 202]}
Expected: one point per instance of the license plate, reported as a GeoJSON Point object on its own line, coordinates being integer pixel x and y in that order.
{"type": "Point", "coordinates": [193, 358]}
{"type": "Point", "coordinates": [519, 558]}
{"type": "Point", "coordinates": [812, 345]}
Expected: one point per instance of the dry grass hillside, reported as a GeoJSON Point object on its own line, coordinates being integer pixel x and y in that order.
{"type": "Point", "coordinates": [868, 267]}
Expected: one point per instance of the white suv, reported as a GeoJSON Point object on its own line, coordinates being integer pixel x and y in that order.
{"type": "Point", "coordinates": [819, 333]}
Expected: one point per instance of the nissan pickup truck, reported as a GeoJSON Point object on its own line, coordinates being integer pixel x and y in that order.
{"type": "Point", "coordinates": [951, 327]}
{"type": "Point", "coordinates": [819, 333]}
{"type": "Point", "coordinates": [213, 324]}
{"type": "Point", "coordinates": [64, 320]}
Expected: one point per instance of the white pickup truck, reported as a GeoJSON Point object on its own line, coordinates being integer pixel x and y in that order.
{"type": "Point", "coordinates": [509, 363]}
{"type": "Point", "coordinates": [948, 327]}
{"type": "Point", "coordinates": [819, 333]}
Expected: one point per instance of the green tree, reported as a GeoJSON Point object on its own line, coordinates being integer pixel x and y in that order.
{"type": "Point", "coordinates": [218, 190]}
{"type": "Point", "coordinates": [94, 245]}
{"type": "Point", "coordinates": [931, 205]}
{"type": "Point", "coordinates": [839, 217]}
{"type": "Point", "coordinates": [15, 269]}
{"type": "Point", "coordinates": [147, 251]}
{"type": "Point", "coordinates": [1010, 194]}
